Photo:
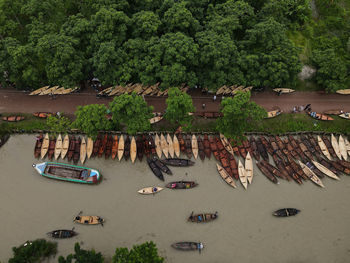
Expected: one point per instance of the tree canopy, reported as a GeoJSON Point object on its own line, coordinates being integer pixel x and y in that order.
{"type": "Point", "coordinates": [82, 256]}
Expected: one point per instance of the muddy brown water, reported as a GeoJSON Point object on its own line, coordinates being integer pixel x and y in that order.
{"type": "Point", "coordinates": [245, 231]}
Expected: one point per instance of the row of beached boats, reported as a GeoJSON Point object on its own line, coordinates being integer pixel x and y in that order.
{"type": "Point", "coordinates": [232, 90]}
{"type": "Point", "coordinates": [54, 90]}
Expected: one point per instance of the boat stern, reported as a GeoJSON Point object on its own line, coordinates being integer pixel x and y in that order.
{"type": "Point", "coordinates": [40, 167]}
{"type": "Point", "coordinates": [94, 177]}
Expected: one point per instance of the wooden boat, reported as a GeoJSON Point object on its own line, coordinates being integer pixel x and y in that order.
{"type": "Point", "coordinates": [89, 147]}
{"type": "Point", "coordinates": [48, 91]}
{"type": "Point", "coordinates": [267, 173]}
{"type": "Point", "coordinates": [127, 148]}
{"type": "Point", "coordinates": [76, 154]}
{"type": "Point", "coordinates": [226, 144]}
{"type": "Point", "coordinates": [150, 190]}
{"type": "Point", "coordinates": [162, 166]}
{"type": "Point", "coordinates": [320, 116]}
{"type": "Point", "coordinates": [188, 144]}
{"type": "Point", "coordinates": [188, 246]}
{"type": "Point", "coordinates": [158, 146]}
{"type": "Point", "coordinates": [62, 233]}
{"type": "Point", "coordinates": [133, 149]}
{"type": "Point", "coordinates": [152, 145]}
{"type": "Point", "coordinates": [335, 146]}
{"type": "Point", "coordinates": [323, 147]}
{"type": "Point", "coordinates": [227, 178]}
{"type": "Point", "coordinates": [273, 169]}
{"type": "Point", "coordinates": [273, 113]}
{"type": "Point", "coordinates": [103, 145]}
{"type": "Point", "coordinates": [37, 148]}
{"type": "Point", "coordinates": [121, 147]}
{"type": "Point", "coordinates": [177, 162]}
{"type": "Point", "coordinates": [309, 173]}
{"type": "Point", "coordinates": [71, 148]}
{"type": "Point", "coordinates": [182, 143]}
{"type": "Point", "coordinates": [67, 172]}
{"type": "Point", "coordinates": [249, 168]}
{"type": "Point", "coordinates": [97, 144]}
{"type": "Point", "coordinates": [37, 91]}
{"type": "Point", "coordinates": [176, 146]}
{"type": "Point", "coordinates": [201, 148]}
{"type": "Point", "coordinates": [347, 145]}
{"type": "Point", "coordinates": [164, 145]}
{"type": "Point", "coordinates": [139, 148]}
{"type": "Point", "coordinates": [333, 112]}
{"type": "Point", "coordinates": [83, 150]}
{"type": "Point", "coordinates": [181, 185]}
{"type": "Point", "coordinates": [194, 144]}
{"type": "Point", "coordinates": [65, 146]}
{"type": "Point", "coordinates": [13, 118]}
{"type": "Point", "coordinates": [43, 115]}
{"type": "Point", "coordinates": [343, 91]}
{"type": "Point", "coordinates": [89, 220]}
{"type": "Point", "coordinates": [146, 145]}
{"type": "Point", "coordinates": [342, 148]}
{"type": "Point", "coordinates": [284, 212]}
{"type": "Point", "coordinates": [155, 119]}
{"type": "Point", "coordinates": [329, 146]}
{"type": "Point", "coordinates": [283, 90]}
{"type": "Point", "coordinates": [206, 143]}
{"type": "Point", "coordinates": [345, 115]}
{"type": "Point", "coordinates": [170, 146]}
{"type": "Point", "coordinates": [45, 146]}
{"type": "Point", "coordinates": [325, 170]}
{"type": "Point", "coordinates": [109, 144]}
{"type": "Point", "coordinates": [156, 171]}
{"type": "Point", "coordinates": [242, 174]}
{"type": "Point", "coordinates": [203, 218]}
{"type": "Point", "coordinates": [58, 147]}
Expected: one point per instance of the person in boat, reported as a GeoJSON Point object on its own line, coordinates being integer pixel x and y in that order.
{"type": "Point", "coordinates": [77, 218]}
{"type": "Point", "coordinates": [154, 189]}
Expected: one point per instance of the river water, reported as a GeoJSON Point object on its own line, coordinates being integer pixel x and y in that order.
{"type": "Point", "coordinates": [245, 231]}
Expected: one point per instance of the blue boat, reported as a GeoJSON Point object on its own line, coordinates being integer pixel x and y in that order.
{"type": "Point", "coordinates": [68, 172]}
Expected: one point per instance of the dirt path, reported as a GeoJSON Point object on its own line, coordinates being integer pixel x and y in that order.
{"type": "Point", "coordinates": [16, 101]}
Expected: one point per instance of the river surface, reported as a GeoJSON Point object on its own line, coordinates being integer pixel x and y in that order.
{"type": "Point", "coordinates": [245, 231]}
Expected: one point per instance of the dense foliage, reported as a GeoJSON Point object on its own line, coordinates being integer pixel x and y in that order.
{"type": "Point", "coordinates": [34, 251]}
{"type": "Point", "coordinates": [238, 114]}
{"type": "Point", "coordinates": [58, 124]}
{"type": "Point", "coordinates": [198, 42]}
{"type": "Point", "coordinates": [82, 256]}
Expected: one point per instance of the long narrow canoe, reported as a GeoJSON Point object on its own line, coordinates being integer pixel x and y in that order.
{"type": "Point", "coordinates": [37, 91]}
{"type": "Point", "coordinates": [65, 146]}
{"type": "Point", "coordinates": [121, 147]}
{"type": "Point", "coordinates": [320, 116]}
{"type": "Point", "coordinates": [58, 146]}
{"type": "Point", "coordinates": [335, 146]}
{"type": "Point", "coordinates": [325, 170]}
{"type": "Point", "coordinates": [347, 145]}
{"type": "Point", "coordinates": [176, 146]}
{"type": "Point", "coordinates": [45, 146]}
{"type": "Point", "coordinates": [171, 145]}
{"type": "Point", "coordinates": [323, 147]}
{"type": "Point", "coordinates": [187, 246]}
{"type": "Point", "coordinates": [309, 173]}
{"type": "Point", "coordinates": [83, 150]}
{"type": "Point", "coordinates": [164, 145]}
{"type": "Point", "coordinates": [48, 91]}
{"type": "Point", "coordinates": [194, 144]}
{"type": "Point", "coordinates": [242, 174]}
{"type": "Point", "coordinates": [150, 190]}
{"type": "Point", "coordinates": [227, 178]}
{"type": "Point", "coordinates": [158, 146]}
{"type": "Point", "coordinates": [343, 91]}
{"type": "Point", "coordinates": [342, 148]}
{"type": "Point", "coordinates": [115, 147]}
{"type": "Point", "coordinates": [226, 144]}
{"type": "Point", "coordinates": [283, 90]}
{"type": "Point", "coordinates": [249, 167]}
{"type": "Point", "coordinates": [133, 149]}
{"type": "Point", "coordinates": [88, 220]}
{"type": "Point", "coordinates": [89, 147]}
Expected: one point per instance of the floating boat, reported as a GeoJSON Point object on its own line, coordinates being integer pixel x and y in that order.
{"type": "Point", "coordinates": [37, 91]}
{"type": "Point", "coordinates": [343, 91]}
{"type": "Point", "coordinates": [267, 173]}
{"type": "Point", "coordinates": [335, 146]}
{"type": "Point", "coordinates": [194, 144]}
{"type": "Point", "coordinates": [71, 148]}
{"type": "Point", "coordinates": [170, 145]}
{"type": "Point", "coordinates": [83, 150]}
{"type": "Point", "coordinates": [164, 145]}
{"type": "Point", "coordinates": [156, 171]}
{"type": "Point", "coordinates": [150, 190]}
{"type": "Point", "coordinates": [249, 168]}
{"type": "Point", "coordinates": [133, 149]}
{"type": "Point", "coordinates": [345, 115]}
{"type": "Point", "coordinates": [13, 118]}
{"type": "Point", "coordinates": [325, 170]}
{"type": "Point", "coordinates": [203, 218]}
{"type": "Point", "coordinates": [200, 148]}
{"type": "Point", "coordinates": [177, 162]}
{"type": "Point", "coordinates": [89, 220]}
{"type": "Point", "coordinates": [139, 147]}
{"type": "Point", "coordinates": [320, 116]}
{"type": "Point", "coordinates": [323, 147]}
{"type": "Point", "coordinates": [242, 174]}
{"type": "Point", "coordinates": [58, 146]}
{"type": "Point", "coordinates": [342, 148]}
{"type": "Point", "coordinates": [76, 153]}
{"type": "Point", "coordinates": [283, 90]}
{"type": "Point", "coordinates": [226, 144]}
{"type": "Point", "coordinates": [62, 233]}
{"type": "Point", "coordinates": [158, 146]}
{"type": "Point", "coordinates": [89, 147]}
{"type": "Point", "coordinates": [67, 172]}
{"type": "Point", "coordinates": [176, 145]}
{"type": "Point", "coordinates": [181, 185]}
{"type": "Point", "coordinates": [109, 145]}
{"type": "Point", "coordinates": [284, 212]}
{"type": "Point", "coordinates": [162, 166]}
{"type": "Point", "coordinates": [333, 112]}
{"type": "Point", "coordinates": [37, 148]}
{"type": "Point", "coordinates": [121, 147]}
{"type": "Point", "coordinates": [227, 178]}
{"type": "Point", "coordinates": [45, 146]}
{"type": "Point", "coordinates": [127, 148]}
{"type": "Point", "coordinates": [65, 146]}
{"type": "Point", "coordinates": [188, 145]}
{"type": "Point", "coordinates": [309, 173]}
{"type": "Point", "coordinates": [188, 246]}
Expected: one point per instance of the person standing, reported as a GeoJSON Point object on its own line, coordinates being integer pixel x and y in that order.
{"type": "Point", "coordinates": [214, 98]}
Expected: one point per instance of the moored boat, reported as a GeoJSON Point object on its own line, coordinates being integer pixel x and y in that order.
{"type": "Point", "coordinates": [37, 91]}
{"type": "Point", "coordinates": [158, 146]}
{"type": "Point", "coordinates": [162, 166]}
{"type": "Point", "coordinates": [202, 218]}
{"type": "Point", "coordinates": [103, 145]}
{"type": "Point", "coordinates": [58, 146]}
{"type": "Point", "coordinates": [342, 148]}
{"type": "Point", "coordinates": [283, 90]}
{"type": "Point", "coordinates": [133, 149]}
{"type": "Point", "coordinates": [343, 91]}
{"type": "Point", "coordinates": [194, 145]}
{"type": "Point", "coordinates": [176, 145]}
{"type": "Point", "coordinates": [76, 153]}
{"type": "Point", "coordinates": [284, 212]}
{"type": "Point", "coordinates": [127, 148]}
{"type": "Point", "coordinates": [156, 171]}
{"type": "Point", "coordinates": [335, 146]}
{"type": "Point", "coordinates": [88, 220]}
{"type": "Point", "coordinates": [121, 147]}
{"type": "Point", "coordinates": [320, 116]}
{"type": "Point", "coordinates": [139, 148]}
{"type": "Point", "coordinates": [249, 168]}
{"type": "Point", "coordinates": [62, 233]}
{"type": "Point", "coordinates": [309, 173]}
{"type": "Point", "coordinates": [188, 144]}
{"type": "Point", "coordinates": [333, 112]}
{"type": "Point", "coordinates": [273, 113]}
{"type": "Point", "coordinates": [323, 147]}
{"type": "Point", "coordinates": [83, 150]}
{"type": "Point", "coordinates": [242, 174]}
{"type": "Point", "coordinates": [71, 148]}
{"type": "Point", "coordinates": [177, 162]}
{"type": "Point", "coordinates": [206, 143]}
{"type": "Point", "coordinates": [181, 185]}
{"type": "Point", "coordinates": [67, 172]}
{"type": "Point", "coordinates": [224, 175]}
{"type": "Point", "coordinates": [345, 115]}
{"type": "Point", "coordinates": [187, 246]}
{"type": "Point", "coordinates": [150, 190]}
{"type": "Point", "coordinates": [200, 148]}
{"type": "Point", "coordinates": [325, 170]}
{"type": "Point", "coordinates": [171, 149]}
{"type": "Point", "coordinates": [89, 147]}
{"type": "Point", "coordinates": [51, 150]}
{"type": "Point", "coordinates": [37, 148]}
{"type": "Point", "coordinates": [108, 150]}
{"type": "Point", "coordinates": [164, 145]}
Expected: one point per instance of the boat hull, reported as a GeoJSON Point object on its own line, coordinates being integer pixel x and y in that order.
{"type": "Point", "coordinates": [284, 212]}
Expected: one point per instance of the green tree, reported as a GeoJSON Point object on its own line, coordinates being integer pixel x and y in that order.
{"type": "Point", "coordinates": [92, 118]}
{"type": "Point", "coordinates": [131, 111]}
{"type": "Point", "coordinates": [145, 24]}
{"type": "Point", "coordinates": [179, 105]}
{"type": "Point", "coordinates": [82, 256]}
{"type": "Point", "coordinates": [238, 114]}
{"type": "Point", "coordinates": [33, 252]}
{"type": "Point", "coordinates": [58, 125]}
{"type": "Point", "coordinates": [144, 253]}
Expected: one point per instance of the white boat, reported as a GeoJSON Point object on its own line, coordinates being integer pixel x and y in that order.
{"type": "Point", "coordinates": [249, 168]}
{"type": "Point", "coordinates": [335, 146]}
{"type": "Point", "coordinates": [242, 174]}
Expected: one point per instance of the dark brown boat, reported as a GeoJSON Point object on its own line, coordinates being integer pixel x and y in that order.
{"type": "Point", "coordinates": [292, 174]}
{"type": "Point", "coordinates": [207, 146]}
{"type": "Point", "coordinates": [188, 143]}
{"type": "Point", "coordinates": [127, 148]}
{"type": "Point", "coordinates": [266, 144]}
{"type": "Point", "coordinates": [152, 145]}
{"type": "Point", "coordinates": [181, 185]}
{"type": "Point", "coordinates": [254, 148]}
{"type": "Point", "coordinates": [279, 143]}
{"type": "Point", "coordinates": [156, 171]}
{"type": "Point", "coordinates": [314, 144]}
{"type": "Point", "coordinates": [262, 150]}
{"type": "Point", "coordinates": [97, 144]}
{"type": "Point", "coordinates": [139, 145]}
{"type": "Point", "coordinates": [313, 168]}
{"type": "Point", "coordinates": [267, 173]}
{"type": "Point", "coordinates": [343, 163]}
{"type": "Point", "coordinates": [233, 166]}
{"type": "Point", "coordinates": [51, 150]}
{"type": "Point", "coordinates": [76, 154]}
{"type": "Point", "coordinates": [162, 166]}
{"type": "Point", "coordinates": [4, 139]}
{"type": "Point", "coordinates": [71, 148]}
{"type": "Point", "coordinates": [225, 163]}
{"type": "Point", "coordinates": [115, 147]}
{"type": "Point", "coordinates": [62, 233]}
{"type": "Point", "coordinates": [234, 147]}
{"type": "Point", "coordinates": [13, 118]}
{"type": "Point", "coordinates": [177, 162]}
{"type": "Point", "coordinates": [182, 143]}
{"type": "Point", "coordinates": [146, 146]}
{"type": "Point", "coordinates": [219, 145]}
{"type": "Point", "coordinates": [329, 146]}
{"type": "Point", "coordinates": [272, 169]}
{"type": "Point", "coordinates": [281, 167]}
{"type": "Point", "coordinates": [38, 143]}
{"type": "Point", "coordinates": [328, 165]}
{"type": "Point", "coordinates": [203, 218]}
{"type": "Point", "coordinates": [109, 145]}
{"type": "Point", "coordinates": [214, 148]}
{"type": "Point", "coordinates": [200, 148]}
{"type": "Point", "coordinates": [103, 145]}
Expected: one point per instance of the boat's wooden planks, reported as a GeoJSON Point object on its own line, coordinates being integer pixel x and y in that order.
{"type": "Point", "coordinates": [227, 178]}
{"type": "Point", "coordinates": [325, 170]}
{"type": "Point", "coordinates": [342, 148]}
{"type": "Point", "coordinates": [121, 147]}
{"type": "Point", "coordinates": [45, 146]}
{"type": "Point", "coordinates": [226, 144]}
{"type": "Point", "coordinates": [194, 144]}
{"type": "Point", "coordinates": [323, 147]}
{"type": "Point", "coordinates": [335, 146]}
{"type": "Point", "coordinates": [133, 149]}
{"type": "Point", "coordinates": [176, 146]}
{"type": "Point", "coordinates": [242, 174]}
{"type": "Point", "coordinates": [37, 91]}
{"type": "Point", "coordinates": [83, 150]}
{"type": "Point", "coordinates": [89, 147]}
{"type": "Point", "coordinates": [158, 146]}
{"type": "Point", "coordinates": [343, 91]}
{"type": "Point", "coordinates": [115, 147]}
{"type": "Point", "coordinates": [309, 173]}
{"type": "Point", "coordinates": [171, 145]}
{"type": "Point", "coordinates": [58, 146]}
{"type": "Point", "coordinates": [164, 145]}
{"type": "Point", "coordinates": [249, 168]}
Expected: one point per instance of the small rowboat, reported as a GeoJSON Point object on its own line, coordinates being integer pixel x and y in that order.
{"type": "Point", "coordinates": [342, 148]}
{"type": "Point", "coordinates": [242, 174]}
{"type": "Point", "coordinates": [274, 113]}
{"type": "Point", "coordinates": [155, 119]}
{"type": "Point", "coordinates": [177, 162]}
{"type": "Point", "coordinates": [48, 91]}
{"type": "Point", "coordinates": [133, 149]}
{"type": "Point", "coordinates": [181, 185]}
{"type": "Point", "coordinates": [162, 166]}
{"type": "Point", "coordinates": [323, 147]}
{"type": "Point", "coordinates": [150, 190]}
{"type": "Point", "coordinates": [320, 116]}
{"type": "Point", "coordinates": [13, 118]}
{"type": "Point", "coordinates": [188, 246]}
{"type": "Point", "coordinates": [309, 173]}
{"type": "Point", "coordinates": [325, 170]}
{"type": "Point", "coordinates": [158, 146]}
{"type": "Point", "coordinates": [176, 146]}
{"type": "Point", "coordinates": [283, 90]}
{"type": "Point", "coordinates": [157, 172]}
{"type": "Point", "coordinates": [89, 147]}
{"type": "Point", "coordinates": [62, 233]}
{"type": "Point", "coordinates": [335, 146]}
{"type": "Point", "coordinates": [121, 147]}
{"type": "Point", "coordinates": [89, 220]}
{"type": "Point", "coordinates": [170, 145]}
{"type": "Point", "coordinates": [345, 115]}
{"type": "Point", "coordinates": [194, 144]}
{"type": "Point", "coordinates": [164, 145]}
{"type": "Point", "coordinates": [226, 144]}
{"type": "Point", "coordinates": [202, 218]}
{"type": "Point", "coordinates": [65, 146]}
{"type": "Point", "coordinates": [45, 146]}
{"type": "Point", "coordinates": [67, 172]}
{"type": "Point", "coordinates": [43, 115]}
{"type": "Point", "coordinates": [284, 212]}
{"type": "Point", "coordinates": [83, 150]}
{"type": "Point", "coordinates": [58, 147]}
{"type": "Point", "coordinates": [115, 147]}
{"type": "Point", "coordinates": [227, 178]}
{"type": "Point", "coordinates": [333, 112]}
{"type": "Point", "coordinates": [343, 91]}
{"type": "Point", "coordinates": [249, 168]}
{"type": "Point", "coordinates": [37, 91]}
{"type": "Point", "coordinates": [37, 148]}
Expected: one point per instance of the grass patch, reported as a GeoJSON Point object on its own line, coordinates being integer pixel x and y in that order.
{"type": "Point", "coordinates": [301, 42]}
{"type": "Point", "coordinates": [29, 124]}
